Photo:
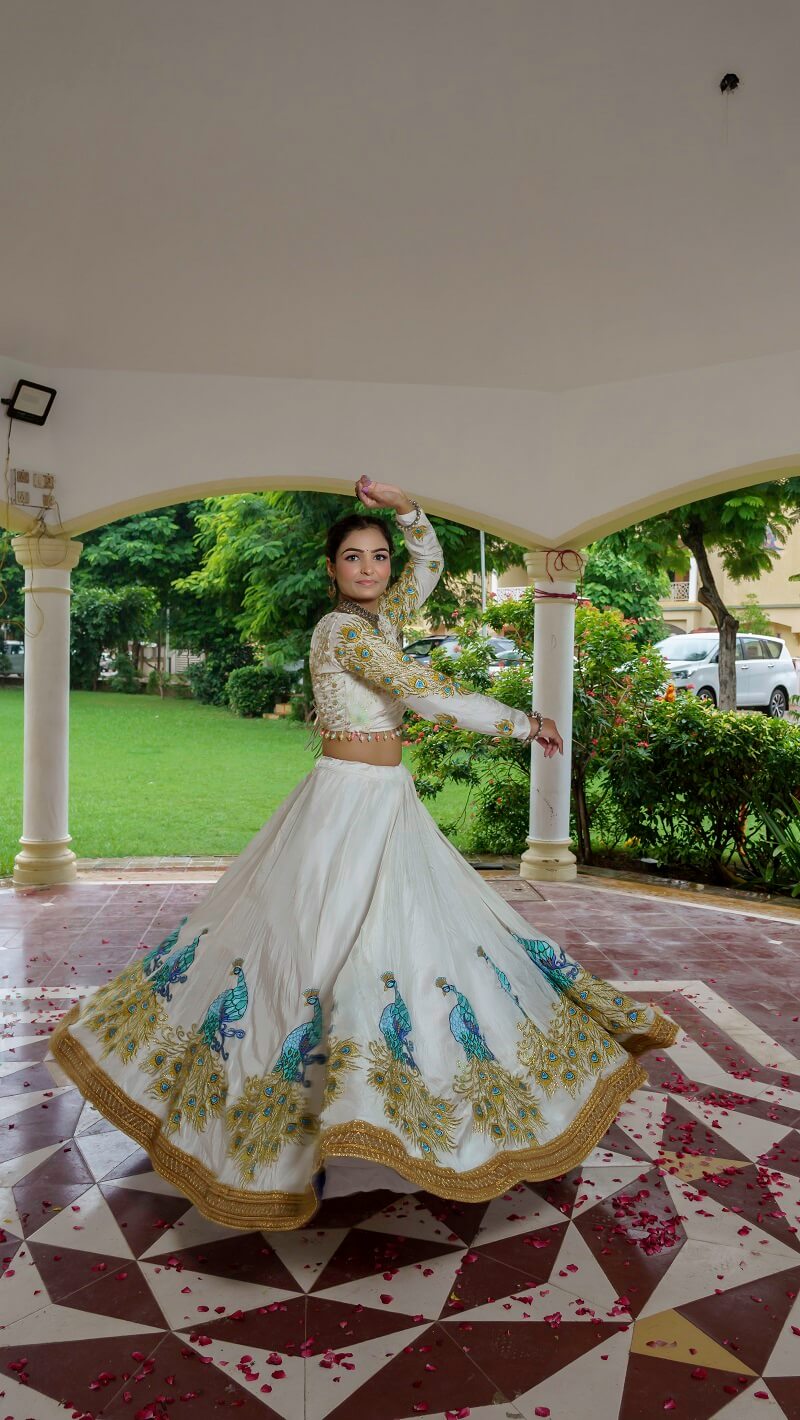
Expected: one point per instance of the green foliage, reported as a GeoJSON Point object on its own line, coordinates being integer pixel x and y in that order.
{"type": "Point", "coordinates": [618, 580]}
{"type": "Point", "coordinates": [733, 524]}
{"type": "Point", "coordinates": [752, 616]}
{"type": "Point", "coordinates": [614, 682]}
{"type": "Point", "coordinates": [692, 786]}
{"type": "Point", "coordinates": [125, 680]}
{"type": "Point", "coordinates": [209, 678]}
{"type": "Point", "coordinates": [497, 772]}
{"type": "Point", "coordinates": [264, 563]}
{"type": "Point", "coordinates": [5, 663]}
{"type": "Point", "coordinates": [101, 618]}
{"type": "Point", "coordinates": [783, 824]}
{"type": "Point", "coordinates": [254, 690]}
{"type": "Point", "coordinates": [12, 597]}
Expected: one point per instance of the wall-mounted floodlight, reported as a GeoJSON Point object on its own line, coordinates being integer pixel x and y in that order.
{"type": "Point", "coordinates": [30, 402]}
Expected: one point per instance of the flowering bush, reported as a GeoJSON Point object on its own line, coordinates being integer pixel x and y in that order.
{"type": "Point", "coordinates": [669, 776]}
{"type": "Point", "coordinates": [711, 790]}
{"type": "Point", "coordinates": [498, 771]}
{"type": "Point", "coordinates": [615, 682]}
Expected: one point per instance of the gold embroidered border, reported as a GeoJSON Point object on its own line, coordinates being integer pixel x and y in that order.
{"type": "Point", "coordinates": [660, 1035]}
{"type": "Point", "coordinates": [278, 1212]}
{"type": "Point", "coordinates": [233, 1207]}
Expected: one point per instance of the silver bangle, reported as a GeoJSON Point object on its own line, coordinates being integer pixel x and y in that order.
{"type": "Point", "coordinates": [416, 519]}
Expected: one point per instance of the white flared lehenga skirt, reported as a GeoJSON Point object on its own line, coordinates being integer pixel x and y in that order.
{"type": "Point", "coordinates": [352, 1005]}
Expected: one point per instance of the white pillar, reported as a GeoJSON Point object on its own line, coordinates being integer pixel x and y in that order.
{"type": "Point", "coordinates": [45, 857]}
{"type": "Point", "coordinates": [548, 857]}
{"type": "Point", "coordinates": [693, 580]}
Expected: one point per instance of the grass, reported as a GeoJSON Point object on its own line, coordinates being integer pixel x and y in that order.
{"type": "Point", "coordinates": [151, 776]}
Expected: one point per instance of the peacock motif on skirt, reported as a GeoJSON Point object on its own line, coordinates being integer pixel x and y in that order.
{"type": "Point", "coordinates": [127, 1014]}
{"type": "Point", "coordinates": [229, 1006]}
{"type": "Point", "coordinates": [536, 1052]}
{"type": "Point", "coordinates": [135, 974]}
{"type": "Point", "coordinates": [587, 1014]}
{"type": "Point", "coordinates": [343, 1055]}
{"type": "Point", "coordinates": [175, 969]}
{"type": "Point", "coordinates": [550, 959]}
{"type": "Point", "coordinates": [395, 1023]}
{"type": "Point", "coordinates": [297, 1050]}
{"type": "Point", "coordinates": [189, 1076]}
{"type": "Point", "coordinates": [502, 1104]}
{"type": "Point", "coordinates": [153, 959]}
{"type": "Point", "coordinates": [270, 1112]}
{"type": "Point", "coordinates": [427, 1121]}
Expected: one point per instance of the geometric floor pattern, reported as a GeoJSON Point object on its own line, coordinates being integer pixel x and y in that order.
{"type": "Point", "coordinates": [662, 1277]}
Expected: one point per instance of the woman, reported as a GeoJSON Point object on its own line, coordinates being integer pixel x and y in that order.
{"type": "Point", "coordinates": [351, 1006]}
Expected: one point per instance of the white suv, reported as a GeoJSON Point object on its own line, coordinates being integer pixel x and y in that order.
{"type": "Point", "coordinates": [766, 678]}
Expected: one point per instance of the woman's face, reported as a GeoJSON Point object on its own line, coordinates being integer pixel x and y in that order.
{"type": "Point", "coordinates": [363, 566]}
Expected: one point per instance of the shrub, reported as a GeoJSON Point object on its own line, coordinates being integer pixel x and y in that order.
{"type": "Point", "coordinates": [254, 690]}
{"type": "Point", "coordinates": [125, 680]}
{"type": "Point", "coordinates": [697, 786]}
{"type": "Point", "coordinates": [209, 678]}
{"type": "Point", "coordinates": [499, 772]}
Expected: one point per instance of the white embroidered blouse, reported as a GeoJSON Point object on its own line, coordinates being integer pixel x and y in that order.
{"type": "Point", "coordinates": [362, 679]}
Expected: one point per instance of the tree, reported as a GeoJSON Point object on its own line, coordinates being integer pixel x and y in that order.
{"type": "Point", "coordinates": [146, 550]}
{"type": "Point", "coordinates": [733, 524]}
{"type": "Point", "coordinates": [752, 616]}
{"type": "Point", "coordinates": [264, 564]}
{"type": "Point", "coordinates": [618, 580]}
{"type": "Point", "coordinates": [104, 617]}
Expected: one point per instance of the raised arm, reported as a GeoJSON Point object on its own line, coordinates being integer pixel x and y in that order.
{"type": "Point", "coordinates": [406, 594]}
{"type": "Point", "coordinates": [429, 693]}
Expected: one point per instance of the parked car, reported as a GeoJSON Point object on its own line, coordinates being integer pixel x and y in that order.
{"type": "Point", "coordinates": [766, 678]}
{"type": "Point", "coordinates": [505, 652]}
{"type": "Point", "coordinates": [15, 652]}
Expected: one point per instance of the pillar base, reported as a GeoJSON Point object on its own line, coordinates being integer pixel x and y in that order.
{"type": "Point", "coordinates": [40, 864]}
{"type": "Point", "coordinates": [548, 861]}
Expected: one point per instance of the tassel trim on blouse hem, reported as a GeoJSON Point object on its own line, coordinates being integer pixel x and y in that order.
{"type": "Point", "coordinates": [316, 735]}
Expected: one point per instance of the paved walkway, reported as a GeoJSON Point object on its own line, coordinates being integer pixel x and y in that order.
{"type": "Point", "coordinates": [661, 1277]}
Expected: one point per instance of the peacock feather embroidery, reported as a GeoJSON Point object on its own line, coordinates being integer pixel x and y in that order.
{"type": "Point", "coordinates": [187, 1066]}
{"type": "Point", "coordinates": [343, 1055]}
{"type": "Point", "coordinates": [127, 1014]}
{"type": "Point", "coordinates": [589, 1013]}
{"type": "Point", "coordinates": [502, 1104]}
{"type": "Point", "coordinates": [428, 1122]}
{"type": "Point", "coordinates": [535, 1051]}
{"type": "Point", "coordinates": [271, 1111]}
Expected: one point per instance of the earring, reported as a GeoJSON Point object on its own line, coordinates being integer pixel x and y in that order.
{"type": "Point", "coordinates": [332, 587]}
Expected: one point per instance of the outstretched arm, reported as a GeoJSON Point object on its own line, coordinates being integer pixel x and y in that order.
{"type": "Point", "coordinates": [422, 571]}
{"type": "Point", "coordinates": [407, 593]}
{"type": "Point", "coordinates": [429, 693]}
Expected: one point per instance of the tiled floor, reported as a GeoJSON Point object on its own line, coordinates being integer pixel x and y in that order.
{"type": "Point", "coordinates": [662, 1277]}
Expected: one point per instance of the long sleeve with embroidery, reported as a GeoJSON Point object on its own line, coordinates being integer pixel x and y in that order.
{"type": "Point", "coordinates": [404, 597]}
{"type": "Point", "coordinates": [368, 654]}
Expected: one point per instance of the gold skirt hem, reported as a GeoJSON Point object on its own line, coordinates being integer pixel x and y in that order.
{"type": "Point", "coordinates": [279, 1212]}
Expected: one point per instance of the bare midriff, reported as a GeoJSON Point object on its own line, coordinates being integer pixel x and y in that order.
{"type": "Point", "coordinates": [364, 751]}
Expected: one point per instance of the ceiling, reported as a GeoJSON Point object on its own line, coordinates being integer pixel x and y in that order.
{"type": "Point", "coordinates": [511, 194]}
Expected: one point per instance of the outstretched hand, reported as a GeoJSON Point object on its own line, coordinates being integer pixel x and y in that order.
{"type": "Point", "coordinates": [549, 738]}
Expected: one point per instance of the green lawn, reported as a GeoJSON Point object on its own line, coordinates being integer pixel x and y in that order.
{"type": "Point", "coordinates": [151, 776]}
